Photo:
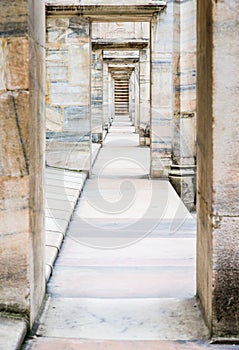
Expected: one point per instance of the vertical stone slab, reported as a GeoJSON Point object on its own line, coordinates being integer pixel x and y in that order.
{"type": "Point", "coordinates": [144, 105]}
{"type": "Point", "coordinates": [137, 97]}
{"type": "Point", "coordinates": [22, 101]}
{"type": "Point", "coordinates": [132, 96]}
{"type": "Point", "coordinates": [183, 170]}
{"type": "Point", "coordinates": [97, 95]}
{"type": "Point", "coordinates": [218, 148]}
{"type": "Point", "coordinates": [37, 153]}
{"type": "Point", "coordinates": [68, 97]}
{"type": "Point", "coordinates": [161, 92]}
{"type": "Point", "coordinates": [106, 119]}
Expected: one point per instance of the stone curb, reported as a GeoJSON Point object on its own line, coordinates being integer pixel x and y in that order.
{"type": "Point", "coordinates": [63, 188]}
{"type": "Point", "coordinates": [12, 333]}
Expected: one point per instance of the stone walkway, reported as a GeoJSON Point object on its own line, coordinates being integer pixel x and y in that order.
{"type": "Point", "coordinates": [63, 189]}
{"type": "Point", "coordinates": [125, 276]}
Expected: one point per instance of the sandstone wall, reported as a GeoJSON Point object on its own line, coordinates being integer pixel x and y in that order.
{"type": "Point", "coordinates": [22, 265]}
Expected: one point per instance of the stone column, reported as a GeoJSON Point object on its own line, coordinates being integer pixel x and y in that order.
{"type": "Point", "coordinates": [132, 96]}
{"type": "Point", "coordinates": [144, 105]}
{"type": "Point", "coordinates": [22, 102]}
{"type": "Point", "coordinates": [68, 100]}
{"type": "Point", "coordinates": [97, 95]}
{"type": "Point", "coordinates": [137, 93]}
{"type": "Point", "coordinates": [106, 120]}
{"type": "Point", "coordinates": [183, 169]}
{"type": "Point", "coordinates": [111, 99]}
{"type": "Point", "coordinates": [161, 92]}
{"type": "Point", "coordinates": [218, 163]}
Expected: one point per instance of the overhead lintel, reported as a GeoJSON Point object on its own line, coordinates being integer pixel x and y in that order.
{"type": "Point", "coordinates": [119, 45]}
{"type": "Point", "coordinates": [108, 13]}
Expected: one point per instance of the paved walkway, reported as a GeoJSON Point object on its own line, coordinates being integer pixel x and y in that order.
{"type": "Point", "coordinates": [125, 277]}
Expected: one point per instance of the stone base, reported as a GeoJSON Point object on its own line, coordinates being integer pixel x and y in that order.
{"type": "Point", "coordinates": [183, 179]}
{"type": "Point", "coordinates": [97, 137]}
{"type": "Point", "coordinates": [144, 141]}
{"type": "Point", "coordinates": [144, 138]}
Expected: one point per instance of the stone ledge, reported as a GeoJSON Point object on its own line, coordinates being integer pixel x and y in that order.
{"type": "Point", "coordinates": [12, 333]}
{"type": "Point", "coordinates": [75, 344]}
{"type": "Point", "coordinates": [59, 208]}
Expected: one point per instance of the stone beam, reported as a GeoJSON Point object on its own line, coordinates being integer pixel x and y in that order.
{"type": "Point", "coordinates": [119, 44]}
{"type": "Point", "coordinates": [108, 13]}
{"type": "Point", "coordinates": [126, 60]}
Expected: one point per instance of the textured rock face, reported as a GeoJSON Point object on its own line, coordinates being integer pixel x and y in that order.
{"type": "Point", "coordinates": [218, 145]}
{"type": "Point", "coordinates": [21, 157]}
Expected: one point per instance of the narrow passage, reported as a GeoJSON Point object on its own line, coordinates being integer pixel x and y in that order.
{"type": "Point", "coordinates": [127, 267]}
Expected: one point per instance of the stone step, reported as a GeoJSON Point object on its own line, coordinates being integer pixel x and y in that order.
{"type": "Point", "coordinates": [76, 344]}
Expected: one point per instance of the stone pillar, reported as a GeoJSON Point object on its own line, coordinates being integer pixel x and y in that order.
{"type": "Point", "coordinates": [161, 92]}
{"type": "Point", "coordinates": [111, 99]}
{"type": "Point", "coordinates": [218, 162]}
{"type": "Point", "coordinates": [68, 101]}
{"type": "Point", "coordinates": [132, 96]}
{"type": "Point", "coordinates": [106, 120]}
{"type": "Point", "coordinates": [22, 102]}
{"type": "Point", "coordinates": [137, 92]}
{"type": "Point", "coordinates": [97, 95]}
{"type": "Point", "coordinates": [183, 169]}
{"type": "Point", "coordinates": [144, 105]}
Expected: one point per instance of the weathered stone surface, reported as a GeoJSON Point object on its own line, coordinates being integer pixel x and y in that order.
{"type": "Point", "coordinates": [17, 57]}
{"type": "Point", "coordinates": [12, 332]}
{"type": "Point", "coordinates": [225, 276]}
{"type": "Point", "coordinates": [14, 125]}
{"type": "Point", "coordinates": [13, 18]}
{"type": "Point", "coordinates": [68, 81]}
{"type": "Point", "coordinates": [14, 201]}
{"type": "Point", "coordinates": [161, 92]}
{"type": "Point", "coordinates": [54, 119]}
{"type": "Point", "coordinates": [218, 277]}
{"type": "Point", "coordinates": [21, 161]}
{"type": "Point", "coordinates": [2, 65]}
{"type": "Point", "coordinates": [80, 65]}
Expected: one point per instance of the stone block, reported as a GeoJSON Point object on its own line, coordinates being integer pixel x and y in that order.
{"type": "Point", "coordinates": [54, 119]}
{"type": "Point", "coordinates": [17, 64]}
{"type": "Point", "coordinates": [14, 268]}
{"type": "Point", "coordinates": [80, 65]}
{"type": "Point", "coordinates": [56, 36]}
{"type": "Point", "coordinates": [55, 55]}
{"type": "Point", "coordinates": [57, 22]}
{"type": "Point", "coordinates": [225, 292]}
{"type": "Point", "coordinates": [2, 66]}
{"type": "Point", "coordinates": [13, 18]}
{"type": "Point", "coordinates": [54, 239]}
{"type": "Point", "coordinates": [51, 255]}
{"type": "Point", "coordinates": [183, 179]}
{"type": "Point", "coordinates": [63, 94]}
{"type": "Point", "coordinates": [12, 332]}
{"type": "Point", "coordinates": [184, 138]}
{"type": "Point", "coordinates": [14, 131]}
{"type": "Point", "coordinates": [58, 72]}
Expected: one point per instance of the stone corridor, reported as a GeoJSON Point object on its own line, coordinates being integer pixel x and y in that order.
{"type": "Point", "coordinates": [125, 276]}
{"type": "Point", "coordinates": [165, 72]}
